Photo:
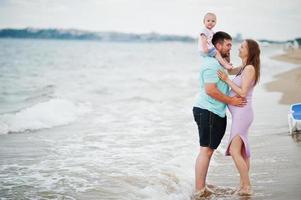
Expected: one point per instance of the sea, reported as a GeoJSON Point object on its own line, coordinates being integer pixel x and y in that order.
{"type": "Point", "coordinates": [110, 120]}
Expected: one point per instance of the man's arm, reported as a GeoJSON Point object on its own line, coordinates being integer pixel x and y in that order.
{"type": "Point", "coordinates": [215, 93]}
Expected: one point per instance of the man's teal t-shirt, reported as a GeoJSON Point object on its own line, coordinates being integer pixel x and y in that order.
{"type": "Point", "coordinates": [208, 74]}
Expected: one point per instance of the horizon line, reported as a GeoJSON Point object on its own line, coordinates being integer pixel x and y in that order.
{"type": "Point", "coordinates": [138, 33]}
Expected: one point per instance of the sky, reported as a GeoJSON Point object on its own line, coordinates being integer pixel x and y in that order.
{"type": "Point", "coordinates": [265, 19]}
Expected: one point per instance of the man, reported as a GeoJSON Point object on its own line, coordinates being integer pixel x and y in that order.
{"type": "Point", "coordinates": [210, 110]}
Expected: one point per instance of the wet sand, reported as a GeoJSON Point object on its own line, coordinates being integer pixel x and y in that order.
{"type": "Point", "coordinates": [288, 83]}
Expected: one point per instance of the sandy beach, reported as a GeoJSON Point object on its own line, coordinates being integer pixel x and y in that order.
{"type": "Point", "coordinates": [288, 83]}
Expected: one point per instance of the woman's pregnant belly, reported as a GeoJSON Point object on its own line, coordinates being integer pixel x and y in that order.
{"type": "Point", "coordinates": [245, 111]}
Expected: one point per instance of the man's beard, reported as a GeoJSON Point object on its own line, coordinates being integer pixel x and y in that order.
{"type": "Point", "coordinates": [226, 56]}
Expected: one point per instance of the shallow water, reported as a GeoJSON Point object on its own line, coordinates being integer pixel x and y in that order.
{"type": "Point", "coordinates": [91, 120]}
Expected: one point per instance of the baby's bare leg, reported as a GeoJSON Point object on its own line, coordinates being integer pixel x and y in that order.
{"type": "Point", "coordinates": [222, 61]}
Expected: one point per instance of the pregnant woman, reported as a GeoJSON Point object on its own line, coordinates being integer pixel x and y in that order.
{"type": "Point", "coordinates": [247, 75]}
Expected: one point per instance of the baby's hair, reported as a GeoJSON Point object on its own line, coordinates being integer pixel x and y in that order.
{"type": "Point", "coordinates": [207, 14]}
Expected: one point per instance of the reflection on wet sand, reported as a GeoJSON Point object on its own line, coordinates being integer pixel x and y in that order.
{"type": "Point", "coordinates": [224, 193]}
{"type": "Point", "coordinates": [296, 137]}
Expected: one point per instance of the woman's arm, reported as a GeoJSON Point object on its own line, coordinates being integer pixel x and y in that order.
{"type": "Point", "coordinates": [235, 70]}
{"type": "Point", "coordinates": [247, 79]}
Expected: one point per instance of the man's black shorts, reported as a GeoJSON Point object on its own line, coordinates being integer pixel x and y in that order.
{"type": "Point", "coordinates": [211, 127]}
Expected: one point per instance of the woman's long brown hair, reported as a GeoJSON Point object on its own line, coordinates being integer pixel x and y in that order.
{"type": "Point", "coordinates": [254, 57]}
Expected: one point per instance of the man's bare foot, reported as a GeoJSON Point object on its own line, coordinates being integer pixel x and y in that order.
{"type": "Point", "coordinates": [210, 186]}
{"type": "Point", "coordinates": [245, 191]}
{"type": "Point", "coordinates": [238, 187]}
{"type": "Point", "coordinates": [205, 192]}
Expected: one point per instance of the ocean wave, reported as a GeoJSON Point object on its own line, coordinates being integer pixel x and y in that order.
{"type": "Point", "coordinates": [54, 112]}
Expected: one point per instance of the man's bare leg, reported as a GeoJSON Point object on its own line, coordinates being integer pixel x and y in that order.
{"type": "Point", "coordinates": [201, 167]}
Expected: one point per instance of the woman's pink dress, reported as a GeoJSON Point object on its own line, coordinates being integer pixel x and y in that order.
{"type": "Point", "coordinates": [242, 118]}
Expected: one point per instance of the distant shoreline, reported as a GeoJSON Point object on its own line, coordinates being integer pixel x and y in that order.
{"type": "Point", "coordinates": [108, 36]}
{"type": "Point", "coordinates": [289, 82]}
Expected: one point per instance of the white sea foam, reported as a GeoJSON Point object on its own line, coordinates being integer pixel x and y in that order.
{"type": "Point", "coordinates": [54, 112]}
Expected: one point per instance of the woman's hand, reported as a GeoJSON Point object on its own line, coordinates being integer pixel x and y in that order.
{"type": "Point", "coordinates": [223, 76]}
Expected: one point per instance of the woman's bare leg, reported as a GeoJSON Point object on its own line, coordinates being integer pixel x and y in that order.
{"type": "Point", "coordinates": [241, 164]}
